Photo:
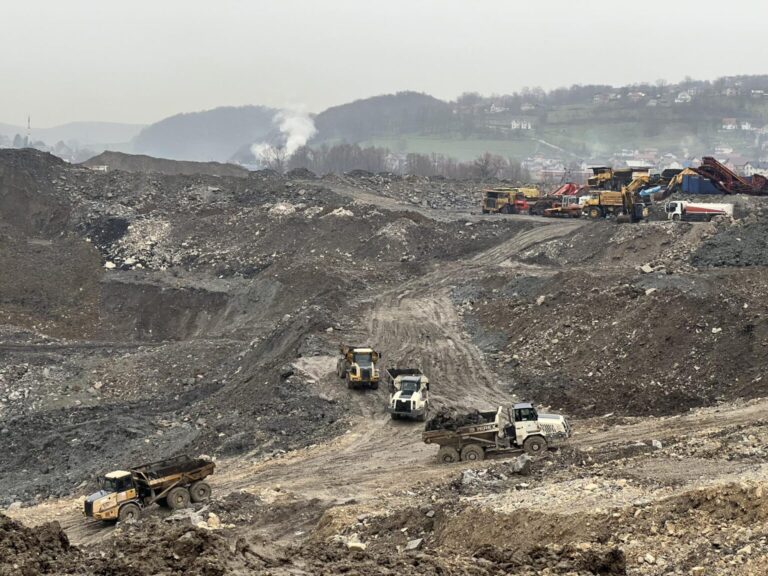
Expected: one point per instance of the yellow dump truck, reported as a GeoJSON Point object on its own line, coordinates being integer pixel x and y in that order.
{"type": "Point", "coordinates": [601, 203]}
{"type": "Point", "coordinates": [173, 482]}
{"type": "Point", "coordinates": [357, 366]}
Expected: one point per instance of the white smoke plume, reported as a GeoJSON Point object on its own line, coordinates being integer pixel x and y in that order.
{"type": "Point", "coordinates": [296, 126]}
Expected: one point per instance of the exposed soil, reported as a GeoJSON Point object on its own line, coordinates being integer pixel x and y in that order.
{"type": "Point", "coordinates": [144, 315]}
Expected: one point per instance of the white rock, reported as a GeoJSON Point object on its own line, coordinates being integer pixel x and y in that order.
{"type": "Point", "coordinates": [109, 265]}
{"type": "Point", "coordinates": [214, 522]}
{"type": "Point", "coordinates": [341, 212]}
{"type": "Point", "coordinates": [414, 544]}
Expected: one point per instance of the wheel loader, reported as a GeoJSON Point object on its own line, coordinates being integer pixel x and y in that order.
{"type": "Point", "coordinates": [357, 366]}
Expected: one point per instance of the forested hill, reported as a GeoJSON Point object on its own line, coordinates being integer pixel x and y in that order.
{"type": "Point", "coordinates": [203, 136]}
{"type": "Point", "coordinates": [388, 115]}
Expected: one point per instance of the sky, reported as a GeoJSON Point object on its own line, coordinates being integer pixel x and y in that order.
{"type": "Point", "coordinates": [138, 61]}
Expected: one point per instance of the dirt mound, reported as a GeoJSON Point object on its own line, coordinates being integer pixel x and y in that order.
{"type": "Point", "coordinates": [157, 547]}
{"type": "Point", "coordinates": [148, 164]}
{"type": "Point", "coordinates": [301, 174]}
{"type": "Point", "coordinates": [742, 244]}
{"type": "Point", "coordinates": [44, 549]}
{"type": "Point", "coordinates": [624, 342]}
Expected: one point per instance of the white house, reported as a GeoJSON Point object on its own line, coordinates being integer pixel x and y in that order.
{"type": "Point", "coordinates": [521, 124]}
{"type": "Point", "coordinates": [752, 168]}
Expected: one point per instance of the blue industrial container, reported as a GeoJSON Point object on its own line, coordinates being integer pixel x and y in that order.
{"type": "Point", "coordinates": [698, 185]}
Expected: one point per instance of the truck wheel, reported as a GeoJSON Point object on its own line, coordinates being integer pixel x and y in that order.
{"type": "Point", "coordinates": [200, 491]}
{"type": "Point", "coordinates": [595, 213]}
{"type": "Point", "coordinates": [472, 453]}
{"type": "Point", "coordinates": [535, 445]}
{"type": "Point", "coordinates": [447, 455]}
{"type": "Point", "coordinates": [676, 217]}
{"type": "Point", "coordinates": [130, 512]}
{"type": "Point", "coordinates": [178, 498]}
{"type": "Point", "coordinates": [375, 385]}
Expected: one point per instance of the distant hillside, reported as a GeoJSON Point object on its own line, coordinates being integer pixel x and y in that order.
{"type": "Point", "coordinates": [146, 164]}
{"type": "Point", "coordinates": [687, 119]}
{"type": "Point", "coordinates": [84, 133]}
{"type": "Point", "coordinates": [389, 115]}
{"type": "Point", "coordinates": [210, 135]}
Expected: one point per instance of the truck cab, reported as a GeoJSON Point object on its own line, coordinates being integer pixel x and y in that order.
{"type": "Point", "coordinates": [527, 423]}
{"type": "Point", "coordinates": [409, 394]}
{"type": "Point", "coordinates": [115, 489]}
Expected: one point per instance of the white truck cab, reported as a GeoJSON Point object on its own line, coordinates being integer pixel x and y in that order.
{"type": "Point", "coordinates": [409, 394]}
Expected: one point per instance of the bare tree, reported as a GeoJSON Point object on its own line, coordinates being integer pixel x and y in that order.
{"type": "Point", "coordinates": [273, 156]}
{"type": "Point", "coordinates": [488, 165]}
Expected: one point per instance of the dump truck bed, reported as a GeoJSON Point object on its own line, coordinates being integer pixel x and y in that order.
{"type": "Point", "coordinates": [484, 432]}
{"type": "Point", "coordinates": [181, 469]}
{"type": "Point", "coordinates": [395, 372]}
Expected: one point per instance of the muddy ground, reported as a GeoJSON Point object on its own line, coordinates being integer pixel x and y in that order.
{"type": "Point", "coordinates": [144, 315]}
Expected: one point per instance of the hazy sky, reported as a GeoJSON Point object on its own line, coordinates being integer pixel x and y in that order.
{"type": "Point", "coordinates": [142, 60]}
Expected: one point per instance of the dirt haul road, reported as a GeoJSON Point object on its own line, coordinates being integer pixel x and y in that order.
{"type": "Point", "coordinates": [416, 324]}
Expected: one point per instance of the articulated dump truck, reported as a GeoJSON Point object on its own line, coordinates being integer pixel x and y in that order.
{"type": "Point", "coordinates": [479, 433]}
{"type": "Point", "coordinates": [409, 394]}
{"type": "Point", "coordinates": [357, 366]}
{"type": "Point", "coordinates": [173, 483]}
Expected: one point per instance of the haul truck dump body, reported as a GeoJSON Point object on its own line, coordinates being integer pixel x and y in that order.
{"type": "Point", "coordinates": [174, 482]}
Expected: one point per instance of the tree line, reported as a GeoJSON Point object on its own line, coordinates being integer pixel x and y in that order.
{"type": "Point", "coordinates": [340, 158]}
